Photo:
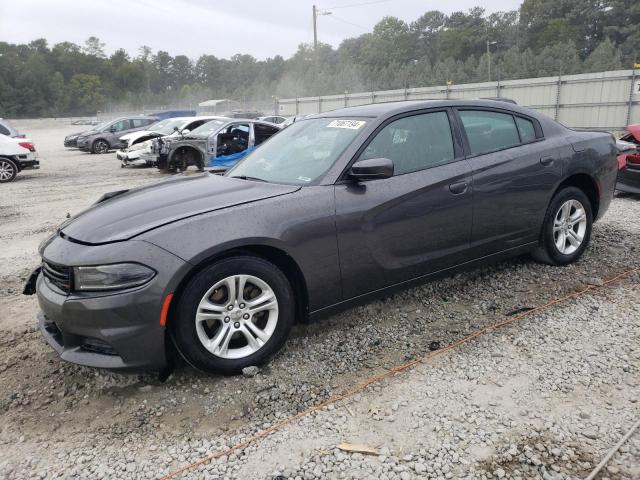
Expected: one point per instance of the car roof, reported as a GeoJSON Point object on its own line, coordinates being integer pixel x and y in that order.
{"type": "Point", "coordinates": [385, 109]}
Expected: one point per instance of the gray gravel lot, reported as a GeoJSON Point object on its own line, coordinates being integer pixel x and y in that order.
{"type": "Point", "coordinates": [545, 397]}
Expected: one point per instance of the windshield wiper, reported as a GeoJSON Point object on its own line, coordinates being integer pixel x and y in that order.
{"type": "Point", "coordinates": [244, 177]}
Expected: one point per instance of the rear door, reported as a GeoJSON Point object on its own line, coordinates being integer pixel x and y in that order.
{"type": "Point", "coordinates": [416, 222]}
{"type": "Point", "coordinates": [514, 171]}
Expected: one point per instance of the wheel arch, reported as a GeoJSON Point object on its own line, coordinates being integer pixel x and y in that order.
{"type": "Point", "coordinates": [183, 148]}
{"type": "Point", "coordinates": [588, 185]}
{"type": "Point", "coordinates": [275, 255]}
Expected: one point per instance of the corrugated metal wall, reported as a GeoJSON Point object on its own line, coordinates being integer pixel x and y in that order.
{"type": "Point", "coordinates": [603, 100]}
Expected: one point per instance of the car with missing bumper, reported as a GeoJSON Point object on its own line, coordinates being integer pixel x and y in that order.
{"type": "Point", "coordinates": [334, 210]}
{"type": "Point", "coordinates": [629, 162]}
{"type": "Point", "coordinates": [138, 143]}
{"type": "Point", "coordinates": [106, 136]}
{"type": "Point", "coordinates": [16, 155]}
{"type": "Point", "coordinates": [216, 145]}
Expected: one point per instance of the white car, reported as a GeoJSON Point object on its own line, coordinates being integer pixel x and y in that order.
{"type": "Point", "coordinates": [136, 143]}
{"type": "Point", "coordinates": [16, 154]}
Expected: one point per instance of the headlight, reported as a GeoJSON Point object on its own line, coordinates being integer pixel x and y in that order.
{"type": "Point", "coordinates": [111, 277]}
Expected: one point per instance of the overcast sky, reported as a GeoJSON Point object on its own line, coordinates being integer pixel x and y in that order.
{"type": "Point", "coordinates": [262, 28]}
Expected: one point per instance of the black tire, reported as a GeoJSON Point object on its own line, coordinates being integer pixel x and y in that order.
{"type": "Point", "coordinates": [8, 170]}
{"type": "Point", "coordinates": [183, 322]}
{"type": "Point", "coordinates": [548, 252]}
{"type": "Point", "coordinates": [100, 146]}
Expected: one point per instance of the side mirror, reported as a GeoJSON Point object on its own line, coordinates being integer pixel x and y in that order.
{"type": "Point", "coordinates": [112, 129]}
{"type": "Point", "coordinates": [371, 169]}
{"type": "Point", "coordinates": [185, 131]}
{"type": "Point", "coordinates": [176, 129]}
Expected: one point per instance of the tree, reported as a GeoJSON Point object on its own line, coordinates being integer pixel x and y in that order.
{"type": "Point", "coordinates": [87, 94]}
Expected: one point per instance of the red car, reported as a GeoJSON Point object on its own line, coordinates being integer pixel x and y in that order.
{"type": "Point", "coordinates": [629, 163]}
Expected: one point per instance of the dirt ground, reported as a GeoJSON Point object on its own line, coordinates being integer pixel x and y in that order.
{"type": "Point", "coordinates": [573, 370]}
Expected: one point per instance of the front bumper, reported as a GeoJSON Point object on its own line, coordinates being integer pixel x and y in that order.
{"type": "Point", "coordinates": [629, 179]}
{"type": "Point", "coordinates": [117, 330]}
{"type": "Point", "coordinates": [70, 143]}
{"type": "Point", "coordinates": [83, 144]}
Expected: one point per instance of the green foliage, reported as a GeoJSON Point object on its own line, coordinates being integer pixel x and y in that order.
{"type": "Point", "coordinates": [542, 38]}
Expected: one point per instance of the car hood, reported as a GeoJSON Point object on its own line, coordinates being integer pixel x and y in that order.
{"type": "Point", "coordinates": [127, 214]}
{"type": "Point", "coordinates": [135, 136]}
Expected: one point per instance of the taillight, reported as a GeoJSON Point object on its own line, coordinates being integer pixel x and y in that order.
{"type": "Point", "coordinates": [28, 145]}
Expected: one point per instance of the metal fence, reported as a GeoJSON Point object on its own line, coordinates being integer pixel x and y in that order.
{"type": "Point", "coordinates": [603, 100]}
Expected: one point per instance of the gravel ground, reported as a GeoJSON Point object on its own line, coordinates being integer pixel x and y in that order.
{"type": "Point", "coordinates": [545, 397]}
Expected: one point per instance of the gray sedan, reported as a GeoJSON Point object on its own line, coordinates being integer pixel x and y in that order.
{"type": "Point", "coordinates": [106, 136]}
{"type": "Point", "coordinates": [336, 209]}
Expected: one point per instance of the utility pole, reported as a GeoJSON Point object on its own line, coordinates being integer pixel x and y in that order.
{"type": "Point", "coordinates": [316, 59]}
{"type": "Point", "coordinates": [489, 43]}
{"type": "Point", "coordinates": [315, 29]}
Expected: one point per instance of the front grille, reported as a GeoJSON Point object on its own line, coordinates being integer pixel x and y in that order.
{"type": "Point", "coordinates": [58, 275]}
{"type": "Point", "coordinates": [95, 345]}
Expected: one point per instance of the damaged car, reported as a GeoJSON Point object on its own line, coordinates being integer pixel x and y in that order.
{"type": "Point", "coordinates": [136, 144]}
{"type": "Point", "coordinates": [629, 161]}
{"type": "Point", "coordinates": [217, 145]}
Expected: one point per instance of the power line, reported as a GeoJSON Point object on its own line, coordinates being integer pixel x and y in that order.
{"type": "Point", "coordinates": [357, 4]}
{"type": "Point", "coordinates": [348, 22]}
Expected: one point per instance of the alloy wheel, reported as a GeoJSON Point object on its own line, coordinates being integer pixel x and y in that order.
{"type": "Point", "coordinates": [237, 316]}
{"type": "Point", "coordinates": [7, 171]}
{"type": "Point", "coordinates": [569, 226]}
{"type": "Point", "coordinates": [101, 147]}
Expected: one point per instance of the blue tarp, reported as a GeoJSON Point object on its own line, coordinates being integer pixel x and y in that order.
{"type": "Point", "coordinates": [227, 161]}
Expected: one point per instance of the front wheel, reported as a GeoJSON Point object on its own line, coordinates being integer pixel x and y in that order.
{"type": "Point", "coordinates": [100, 146]}
{"type": "Point", "coordinates": [567, 228]}
{"type": "Point", "coordinates": [233, 314]}
{"type": "Point", "coordinates": [8, 170]}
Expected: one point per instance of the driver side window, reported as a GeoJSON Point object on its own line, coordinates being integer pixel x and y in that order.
{"type": "Point", "coordinates": [233, 139]}
{"type": "Point", "coordinates": [414, 143]}
{"type": "Point", "coordinates": [120, 126]}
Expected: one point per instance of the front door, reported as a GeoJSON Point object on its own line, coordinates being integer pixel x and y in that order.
{"type": "Point", "coordinates": [414, 223]}
{"type": "Point", "coordinates": [231, 144]}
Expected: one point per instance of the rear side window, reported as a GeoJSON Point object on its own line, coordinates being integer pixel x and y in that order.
{"type": "Point", "coordinates": [4, 130]}
{"type": "Point", "coordinates": [526, 129]}
{"type": "Point", "coordinates": [489, 131]}
{"type": "Point", "coordinates": [414, 143]}
{"type": "Point", "coordinates": [140, 122]}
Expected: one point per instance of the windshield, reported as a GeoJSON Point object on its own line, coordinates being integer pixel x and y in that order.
{"type": "Point", "coordinates": [301, 153]}
{"type": "Point", "coordinates": [166, 126]}
{"type": "Point", "coordinates": [206, 129]}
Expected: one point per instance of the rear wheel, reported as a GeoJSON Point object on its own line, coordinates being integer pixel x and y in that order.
{"type": "Point", "coordinates": [100, 146]}
{"type": "Point", "coordinates": [8, 170]}
{"type": "Point", "coordinates": [233, 314]}
{"type": "Point", "coordinates": [567, 228]}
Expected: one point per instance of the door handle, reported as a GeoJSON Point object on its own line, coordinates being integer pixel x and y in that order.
{"type": "Point", "coordinates": [546, 161]}
{"type": "Point", "coordinates": [458, 188]}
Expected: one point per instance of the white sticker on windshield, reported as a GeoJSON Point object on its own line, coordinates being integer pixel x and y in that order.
{"type": "Point", "coordinates": [350, 124]}
{"type": "Point", "coordinates": [304, 179]}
